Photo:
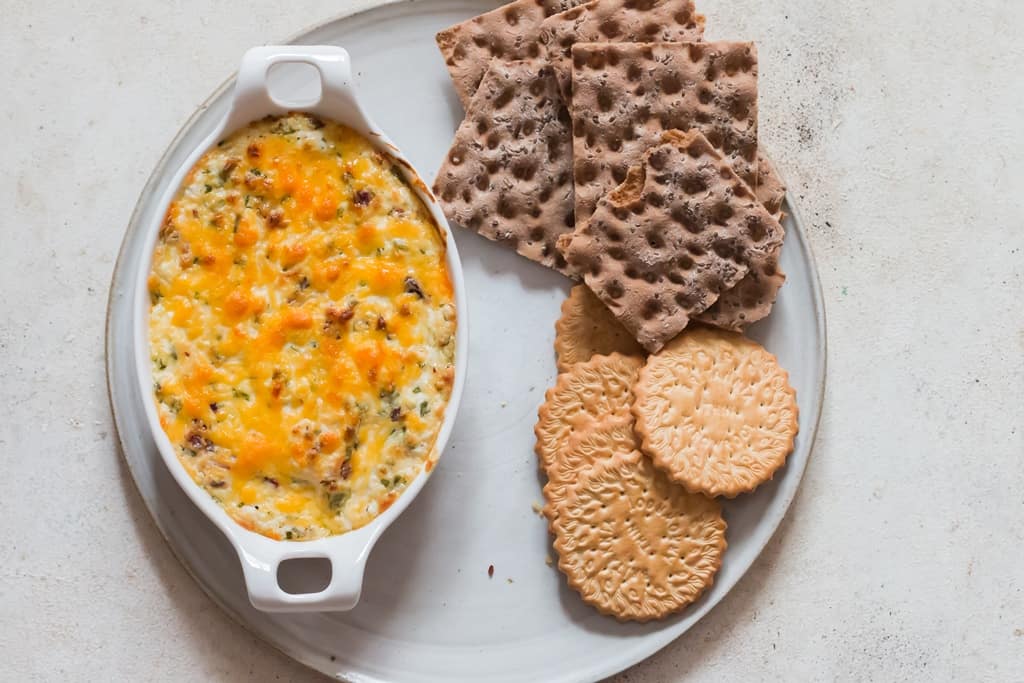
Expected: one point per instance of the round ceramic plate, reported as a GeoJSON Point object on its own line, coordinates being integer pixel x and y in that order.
{"type": "Point", "coordinates": [430, 611]}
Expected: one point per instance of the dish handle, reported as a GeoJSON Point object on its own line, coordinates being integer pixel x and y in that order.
{"type": "Point", "coordinates": [261, 558]}
{"type": "Point", "coordinates": [252, 99]}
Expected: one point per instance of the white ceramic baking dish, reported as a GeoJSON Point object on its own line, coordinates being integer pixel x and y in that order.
{"type": "Point", "coordinates": [260, 556]}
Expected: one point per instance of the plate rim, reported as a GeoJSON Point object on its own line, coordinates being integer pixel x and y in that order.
{"type": "Point", "coordinates": [654, 642]}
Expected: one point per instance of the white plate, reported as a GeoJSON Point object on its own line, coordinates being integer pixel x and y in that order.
{"type": "Point", "coordinates": [429, 611]}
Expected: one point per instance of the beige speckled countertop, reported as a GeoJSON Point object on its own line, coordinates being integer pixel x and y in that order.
{"type": "Point", "coordinates": [898, 125]}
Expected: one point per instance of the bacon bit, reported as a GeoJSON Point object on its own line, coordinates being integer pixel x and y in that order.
{"type": "Point", "coordinates": [185, 255]}
{"type": "Point", "coordinates": [197, 442]}
{"type": "Point", "coordinates": [315, 122]}
{"type": "Point", "coordinates": [396, 414]}
{"type": "Point", "coordinates": [413, 287]}
{"type": "Point", "coordinates": [275, 219]}
{"type": "Point", "coordinates": [253, 150]}
{"type": "Point", "coordinates": [362, 197]}
{"type": "Point", "coordinates": [214, 407]}
{"type": "Point", "coordinates": [350, 433]}
{"type": "Point", "coordinates": [490, 571]}
{"type": "Point", "coordinates": [340, 315]}
{"type": "Point", "coordinates": [404, 309]}
{"type": "Point", "coordinates": [219, 484]}
{"type": "Point", "coordinates": [270, 480]}
{"type": "Point", "coordinates": [381, 323]}
{"type": "Point", "coordinates": [329, 484]}
{"type": "Point", "coordinates": [346, 469]}
{"type": "Point", "coordinates": [229, 166]}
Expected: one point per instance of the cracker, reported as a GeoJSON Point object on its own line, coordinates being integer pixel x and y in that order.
{"type": "Point", "coordinates": [663, 246]}
{"type": "Point", "coordinates": [625, 21]}
{"type": "Point", "coordinates": [587, 393]}
{"type": "Point", "coordinates": [751, 299]}
{"type": "Point", "coordinates": [587, 328]}
{"type": "Point", "coordinates": [635, 545]}
{"type": "Point", "coordinates": [507, 33]}
{"type": "Point", "coordinates": [508, 174]}
{"type": "Point", "coordinates": [770, 191]}
{"type": "Point", "coordinates": [599, 442]}
{"type": "Point", "coordinates": [716, 412]}
{"type": "Point", "coordinates": [625, 95]}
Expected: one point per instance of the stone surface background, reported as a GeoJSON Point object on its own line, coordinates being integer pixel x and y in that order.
{"type": "Point", "coordinates": [898, 126]}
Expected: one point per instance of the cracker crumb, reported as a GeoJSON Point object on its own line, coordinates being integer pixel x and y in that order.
{"type": "Point", "coordinates": [510, 580]}
{"type": "Point", "coordinates": [537, 509]}
{"type": "Point", "coordinates": [504, 404]}
{"type": "Point", "coordinates": [490, 572]}
{"type": "Point", "coordinates": [548, 561]}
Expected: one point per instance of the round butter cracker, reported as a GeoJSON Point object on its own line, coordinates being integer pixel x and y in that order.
{"type": "Point", "coordinates": [716, 412]}
{"type": "Point", "coordinates": [633, 544]}
{"type": "Point", "coordinates": [586, 393]}
{"type": "Point", "coordinates": [587, 328]}
{"type": "Point", "coordinates": [597, 443]}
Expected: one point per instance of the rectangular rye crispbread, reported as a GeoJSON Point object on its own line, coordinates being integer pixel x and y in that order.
{"type": "Point", "coordinates": [770, 190]}
{"type": "Point", "coordinates": [508, 174]}
{"type": "Point", "coordinates": [681, 231]}
{"type": "Point", "coordinates": [507, 33]}
{"type": "Point", "coordinates": [618, 21]}
{"type": "Point", "coordinates": [624, 95]}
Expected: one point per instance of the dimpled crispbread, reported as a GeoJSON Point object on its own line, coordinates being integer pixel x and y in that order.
{"type": "Point", "coordinates": [508, 174]}
{"type": "Point", "coordinates": [597, 442]}
{"type": "Point", "coordinates": [587, 328]}
{"type": "Point", "coordinates": [625, 95]}
{"type": "Point", "coordinates": [770, 191]}
{"type": "Point", "coordinates": [618, 21]}
{"type": "Point", "coordinates": [635, 545]}
{"type": "Point", "coordinates": [716, 412]}
{"type": "Point", "coordinates": [586, 393]}
{"type": "Point", "coordinates": [753, 297]}
{"type": "Point", "coordinates": [664, 245]}
{"type": "Point", "coordinates": [507, 33]}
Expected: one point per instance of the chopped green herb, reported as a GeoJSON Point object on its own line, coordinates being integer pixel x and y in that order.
{"type": "Point", "coordinates": [424, 406]}
{"type": "Point", "coordinates": [238, 393]}
{"type": "Point", "coordinates": [416, 390]}
{"type": "Point", "coordinates": [336, 499]}
{"type": "Point", "coordinates": [209, 188]}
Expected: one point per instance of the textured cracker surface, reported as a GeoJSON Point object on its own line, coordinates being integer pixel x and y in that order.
{"type": "Point", "coordinates": [587, 328]}
{"type": "Point", "coordinates": [716, 412]}
{"type": "Point", "coordinates": [507, 33]}
{"type": "Point", "coordinates": [626, 94]}
{"type": "Point", "coordinates": [616, 21]}
{"type": "Point", "coordinates": [664, 245]}
{"type": "Point", "coordinates": [586, 393]}
{"type": "Point", "coordinates": [633, 544]}
{"type": "Point", "coordinates": [508, 174]}
{"type": "Point", "coordinates": [770, 190]}
{"type": "Point", "coordinates": [597, 442]}
{"type": "Point", "coordinates": [753, 297]}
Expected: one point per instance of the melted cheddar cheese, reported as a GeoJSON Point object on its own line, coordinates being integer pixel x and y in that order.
{"type": "Point", "coordinates": [301, 329]}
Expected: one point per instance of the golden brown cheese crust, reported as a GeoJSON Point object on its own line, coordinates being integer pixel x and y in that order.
{"type": "Point", "coordinates": [302, 328]}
